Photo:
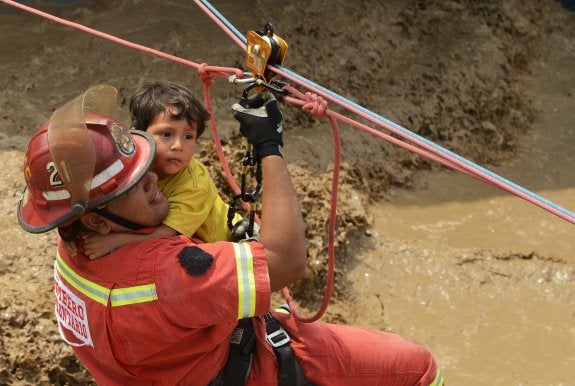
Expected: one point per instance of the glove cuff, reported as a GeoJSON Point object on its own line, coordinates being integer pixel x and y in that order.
{"type": "Point", "coordinates": [269, 148]}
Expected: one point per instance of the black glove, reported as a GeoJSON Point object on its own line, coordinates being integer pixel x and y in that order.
{"type": "Point", "coordinates": [240, 231]}
{"type": "Point", "coordinates": [261, 124]}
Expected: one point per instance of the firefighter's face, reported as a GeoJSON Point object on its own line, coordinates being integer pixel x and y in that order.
{"type": "Point", "coordinates": [143, 204]}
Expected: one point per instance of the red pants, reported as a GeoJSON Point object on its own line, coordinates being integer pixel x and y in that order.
{"type": "Point", "coordinates": [342, 355]}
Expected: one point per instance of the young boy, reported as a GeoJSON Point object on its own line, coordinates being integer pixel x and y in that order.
{"type": "Point", "coordinates": [175, 118]}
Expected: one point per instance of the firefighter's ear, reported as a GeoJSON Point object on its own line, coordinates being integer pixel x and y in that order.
{"type": "Point", "coordinates": [96, 223]}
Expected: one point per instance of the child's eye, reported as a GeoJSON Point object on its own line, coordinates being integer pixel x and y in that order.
{"type": "Point", "coordinates": [189, 137]}
{"type": "Point", "coordinates": [165, 134]}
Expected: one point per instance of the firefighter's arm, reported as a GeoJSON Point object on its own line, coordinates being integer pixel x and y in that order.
{"type": "Point", "coordinates": [282, 228]}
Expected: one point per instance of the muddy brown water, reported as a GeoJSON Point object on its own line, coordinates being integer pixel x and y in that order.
{"type": "Point", "coordinates": [484, 278]}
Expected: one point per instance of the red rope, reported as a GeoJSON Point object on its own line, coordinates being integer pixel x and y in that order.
{"type": "Point", "coordinates": [317, 107]}
{"type": "Point", "coordinates": [206, 73]}
{"type": "Point", "coordinates": [207, 78]}
{"type": "Point", "coordinates": [312, 103]}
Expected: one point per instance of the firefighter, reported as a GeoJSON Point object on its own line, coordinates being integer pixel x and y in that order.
{"type": "Point", "coordinates": [165, 311]}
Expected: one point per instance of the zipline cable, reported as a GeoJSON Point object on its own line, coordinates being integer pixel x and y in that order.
{"type": "Point", "coordinates": [203, 69]}
{"type": "Point", "coordinates": [473, 169]}
{"type": "Point", "coordinates": [427, 148]}
{"type": "Point", "coordinates": [207, 73]}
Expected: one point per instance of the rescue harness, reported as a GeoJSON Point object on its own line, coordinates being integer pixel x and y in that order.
{"type": "Point", "coordinates": [242, 344]}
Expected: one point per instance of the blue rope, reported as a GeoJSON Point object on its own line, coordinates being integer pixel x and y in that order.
{"type": "Point", "coordinates": [405, 131]}
{"type": "Point", "coordinates": [432, 144]}
{"type": "Point", "coordinates": [225, 21]}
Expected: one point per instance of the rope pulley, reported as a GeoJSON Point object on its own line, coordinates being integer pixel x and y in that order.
{"type": "Point", "coordinates": [263, 49]}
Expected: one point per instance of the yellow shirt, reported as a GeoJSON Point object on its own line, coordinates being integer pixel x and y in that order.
{"type": "Point", "coordinates": [195, 205]}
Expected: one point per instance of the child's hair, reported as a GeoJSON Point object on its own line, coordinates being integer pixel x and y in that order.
{"type": "Point", "coordinates": [155, 97]}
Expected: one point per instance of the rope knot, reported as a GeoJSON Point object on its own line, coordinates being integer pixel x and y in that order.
{"type": "Point", "coordinates": [205, 75]}
{"type": "Point", "coordinates": [315, 104]}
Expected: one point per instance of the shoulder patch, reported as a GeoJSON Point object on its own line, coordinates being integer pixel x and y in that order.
{"type": "Point", "coordinates": [195, 261]}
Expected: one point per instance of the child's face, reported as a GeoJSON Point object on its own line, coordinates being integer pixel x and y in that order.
{"type": "Point", "coordinates": [175, 143]}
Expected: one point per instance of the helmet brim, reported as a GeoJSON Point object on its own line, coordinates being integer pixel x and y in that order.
{"type": "Point", "coordinates": [36, 219]}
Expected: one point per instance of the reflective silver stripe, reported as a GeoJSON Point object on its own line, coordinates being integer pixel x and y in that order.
{"type": "Point", "coordinates": [133, 295]}
{"type": "Point", "coordinates": [92, 290]}
{"type": "Point", "coordinates": [246, 280]}
{"type": "Point", "coordinates": [118, 296]}
{"type": "Point", "coordinates": [438, 381]}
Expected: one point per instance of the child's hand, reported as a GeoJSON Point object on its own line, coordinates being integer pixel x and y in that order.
{"type": "Point", "coordinates": [70, 247]}
{"type": "Point", "coordinates": [97, 245]}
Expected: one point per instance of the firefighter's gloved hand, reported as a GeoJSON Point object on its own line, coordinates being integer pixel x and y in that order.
{"type": "Point", "coordinates": [261, 123]}
{"type": "Point", "coordinates": [240, 231]}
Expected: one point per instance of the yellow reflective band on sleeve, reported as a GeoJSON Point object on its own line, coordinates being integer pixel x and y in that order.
{"type": "Point", "coordinates": [92, 290]}
{"type": "Point", "coordinates": [246, 281]}
{"type": "Point", "coordinates": [133, 295]}
{"type": "Point", "coordinates": [117, 296]}
{"type": "Point", "coordinates": [438, 381]}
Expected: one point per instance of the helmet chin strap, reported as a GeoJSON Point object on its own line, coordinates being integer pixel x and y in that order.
{"type": "Point", "coordinates": [118, 219]}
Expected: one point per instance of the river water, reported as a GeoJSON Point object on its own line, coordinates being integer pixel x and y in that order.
{"type": "Point", "coordinates": [485, 279]}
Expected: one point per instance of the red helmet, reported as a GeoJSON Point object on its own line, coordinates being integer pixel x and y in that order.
{"type": "Point", "coordinates": [80, 159]}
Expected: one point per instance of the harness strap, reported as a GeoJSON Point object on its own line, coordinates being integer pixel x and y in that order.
{"type": "Point", "coordinates": [241, 351]}
{"type": "Point", "coordinates": [290, 371]}
{"type": "Point", "coordinates": [279, 339]}
{"type": "Point", "coordinates": [242, 343]}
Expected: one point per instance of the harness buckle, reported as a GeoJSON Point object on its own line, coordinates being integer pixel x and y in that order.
{"type": "Point", "coordinates": [278, 338]}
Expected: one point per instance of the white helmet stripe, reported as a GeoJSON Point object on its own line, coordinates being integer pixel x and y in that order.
{"type": "Point", "coordinates": [57, 195]}
{"type": "Point", "coordinates": [99, 179]}
{"type": "Point", "coordinates": [107, 174]}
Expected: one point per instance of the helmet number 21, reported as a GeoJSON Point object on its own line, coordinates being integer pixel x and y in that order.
{"type": "Point", "coordinates": [54, 175]}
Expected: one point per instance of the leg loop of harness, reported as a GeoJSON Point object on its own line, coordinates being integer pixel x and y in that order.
{"type": "Point", "coordinates": [239, 362]}
{"type": "Point", "coordinates": [242, 343]}
{"type": "Point", "coordinates": [290, 372]}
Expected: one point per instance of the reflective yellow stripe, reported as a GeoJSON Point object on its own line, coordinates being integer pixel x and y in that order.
{"type": "Point", "coordinates": [438, 381]}
{"type": "Point", "coordinates": [246, 281]}
{"type": "Point", "coordinates": [133, 295]}
{"type": "Point", "coordinates": [92, 290]}
{"type": "Point", "coordinates": [118, 296]}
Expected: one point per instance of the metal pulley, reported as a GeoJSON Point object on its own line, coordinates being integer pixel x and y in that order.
{"type": "Point", "coordinates": [263, 49]}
